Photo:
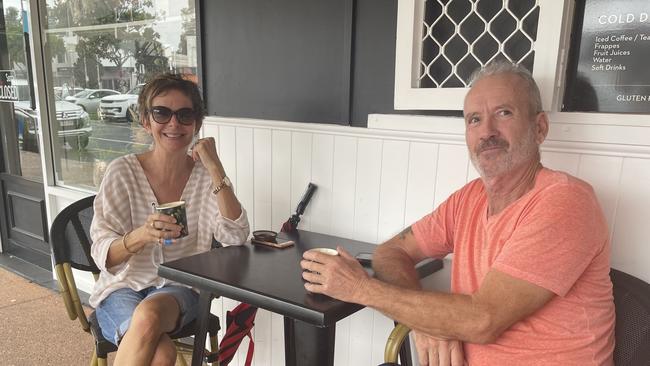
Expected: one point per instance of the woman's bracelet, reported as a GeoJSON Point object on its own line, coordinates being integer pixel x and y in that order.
{"type": "Point", "coordinates": [124, 243]}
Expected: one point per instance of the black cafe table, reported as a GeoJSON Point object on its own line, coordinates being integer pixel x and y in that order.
{"type": "Point", "coordinates": [271, 279]}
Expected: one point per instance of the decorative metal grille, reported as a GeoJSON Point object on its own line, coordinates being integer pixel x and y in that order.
{"type": "Point", "coordinates": [460, 36]}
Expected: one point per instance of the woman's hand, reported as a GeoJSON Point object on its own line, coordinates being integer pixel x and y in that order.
{"type": "Point", "coordinates": [159, 228]}
{"type": "Point", "coordinates": [205, 150]}
{"type": "Point", "coordinates": [438, 352]}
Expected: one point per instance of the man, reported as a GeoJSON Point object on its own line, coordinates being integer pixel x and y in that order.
{"type": "Point", "coordinates": [530, 273]}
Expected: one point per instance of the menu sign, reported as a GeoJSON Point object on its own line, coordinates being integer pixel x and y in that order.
{"type": "Point", "coordinates": [613, 72]}
{"type": "Point", "coordinates": [8, 92]}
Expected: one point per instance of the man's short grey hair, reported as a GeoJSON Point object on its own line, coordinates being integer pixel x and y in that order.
{"type": "Point", "coordinates": [501, 67]}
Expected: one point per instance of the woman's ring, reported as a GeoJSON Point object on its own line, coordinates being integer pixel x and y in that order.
{"type": "Point", "coordinates": [152, 225]}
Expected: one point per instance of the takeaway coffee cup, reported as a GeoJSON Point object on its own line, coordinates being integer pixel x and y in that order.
{"type": "Point", "coordinates": [177, 210]}
{"type": "Point", "coordinates": [328, 251]}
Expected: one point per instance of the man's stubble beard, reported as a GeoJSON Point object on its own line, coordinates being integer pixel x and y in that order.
{"type": "Point", "coordinates": [524, 150]}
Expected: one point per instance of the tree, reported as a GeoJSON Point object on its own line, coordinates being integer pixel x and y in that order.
{"type": "Point", "coordinates": [87, 65]}
{"type": "Point", "coordinates": [15, 39]}
{"type": "Point", "coordinates": [132, 34]}
{"type": "Point", "coordinates": [189, 28]}
{"type": "Point", "coordinates": [55, 44]}
{"type": "Point", "coordinates": [149, 56]}
{"type": "Point", "coordinates": [58, 14]}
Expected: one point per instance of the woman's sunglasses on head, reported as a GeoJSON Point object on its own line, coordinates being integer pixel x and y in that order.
{"type": "Point", "coordinates": [162, 115]}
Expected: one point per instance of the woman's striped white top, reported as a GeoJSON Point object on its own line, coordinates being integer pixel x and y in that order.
{"type": "Point", "coordinates": [123, 203]}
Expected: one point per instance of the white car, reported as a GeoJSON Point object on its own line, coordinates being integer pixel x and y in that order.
{"type": "Point", "coordinates": [62, 92]}
{"type": "Point", "coordinates": [74, 125]}
{"type": "Point", "coordinates": [116, 107]}
{"type": "Point", "coordinates": [89, 99]}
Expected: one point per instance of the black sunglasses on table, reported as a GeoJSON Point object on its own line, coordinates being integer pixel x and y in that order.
{"type": "Point", "coordinates": [162, 115]}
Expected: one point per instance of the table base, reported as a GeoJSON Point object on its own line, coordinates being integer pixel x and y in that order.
{"type": "Point", "coordinates": [306, 344]}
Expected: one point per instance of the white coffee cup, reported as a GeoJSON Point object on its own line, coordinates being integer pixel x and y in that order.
{"type": "Point", "coordinates": [328, 251]}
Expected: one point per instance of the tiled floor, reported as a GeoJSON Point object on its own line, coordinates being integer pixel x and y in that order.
{"type": "Point", "coordinates": [28, 271]}
{"type": "Point", "coordinates": [34, 325]}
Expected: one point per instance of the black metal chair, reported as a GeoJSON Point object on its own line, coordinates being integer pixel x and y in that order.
{"type": "Point", "coordinates": [632, 333]}
{"type": "Point", "coordinates": [394, 344]}
{"type": "Point", "coordinates": [632, 301]}
{"type": "Point", "coordinates": [70, 242]}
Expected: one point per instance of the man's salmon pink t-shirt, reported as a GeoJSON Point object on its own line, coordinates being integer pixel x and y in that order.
{"type": "Point", "coordinates": [554, 236]}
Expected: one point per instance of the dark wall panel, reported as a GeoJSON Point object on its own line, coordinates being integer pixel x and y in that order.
{"type": "Point", "coordinates": [277, 59]}
{"type": "Point", "coordinates": [309, 61]}
{"type": "Point", "coordinates": [373, 55]}
{"type": "Point", "coordinates": [373, 76]}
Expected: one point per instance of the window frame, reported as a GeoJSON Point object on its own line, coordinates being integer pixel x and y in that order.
{"type": "Point", "coordinates": [549, 58]}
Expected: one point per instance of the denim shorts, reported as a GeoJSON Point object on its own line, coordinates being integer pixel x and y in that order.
{"type": "Point", "coordinates": [114, 312]}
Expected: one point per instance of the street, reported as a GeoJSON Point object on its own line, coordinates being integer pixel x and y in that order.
{"type": "Point", "coordinates": [112, 139]}
{"type": "Point", "coordinates": [109, 140]}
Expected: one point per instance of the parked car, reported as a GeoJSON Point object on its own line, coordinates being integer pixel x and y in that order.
{"type": "Point", "coordinates": [116, 107]}
{"type": "Point", "coordinates": [64, 91]}
{"type": "Point", "coordinates": [73, 125]}
{"type": "Point", "coordinates": [89, 99]}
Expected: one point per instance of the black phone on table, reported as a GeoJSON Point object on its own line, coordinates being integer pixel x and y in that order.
{"type": "Point", "coordinates": [278, 243]}
{"type": "Point", "coordinates": [364, 258]}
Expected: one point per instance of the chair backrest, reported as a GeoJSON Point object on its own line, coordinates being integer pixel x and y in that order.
{"type": "Point", "coordinates": [396, 338]}
{"type": "Point", "coordinates": [70, 235]}
{"type": "Point", "coordinates": [632, 334]}
{"type": "Point", "coordinates": [70, 243]}
{"type": "Point", "coordinates": [632, 301]}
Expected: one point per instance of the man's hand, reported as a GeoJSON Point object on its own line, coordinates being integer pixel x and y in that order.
{"type": "Point", "coordinates": [339, 276]}
{"type": "Point", "coordinates": [438, 352]}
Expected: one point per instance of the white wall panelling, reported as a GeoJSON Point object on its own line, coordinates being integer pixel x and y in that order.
{"type": "Point", "coordinates": [227, 145]}
{"type": "Point", "coordinates": [630, 250]}
{"type": "Point", "coordinates": [280, 177]}
{"type": "Point", "coordinates": [375, 181]}
{"type": "Point", "coordinates": [421, 184]}
{"type": "Point", "coordinates": [301, 148]}
{"type": "Point", "coordinates": [561, 161]}
{"type": "Point", "coordinates": [451, 171]}
{"type": "Point", "coordinates": [366, 200]}
{"type": "Point", "coordinates": [392, 192]}
{"type": "Point", "coordinates": [344, 186]}
{"type": "Point", "coordinates": [603, 172]}
{"type": "Point", "coordinates": [243, 169]}
{"type": "Point", "coordinates": [262, 165]}
{"type": "Point", "coordinates": [320, 208]}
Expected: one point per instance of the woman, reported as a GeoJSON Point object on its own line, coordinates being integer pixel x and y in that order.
{"type": "Point", "coordinates": [135, 308]}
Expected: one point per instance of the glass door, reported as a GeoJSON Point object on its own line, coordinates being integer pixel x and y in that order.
{"type": "Point", "coordinates": [23, 221]}
{"type": "Point", "coordinates": [17, 102]}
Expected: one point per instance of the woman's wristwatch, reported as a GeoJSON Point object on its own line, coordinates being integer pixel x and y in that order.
{"type": "Point", "coordinates": [225, 182]}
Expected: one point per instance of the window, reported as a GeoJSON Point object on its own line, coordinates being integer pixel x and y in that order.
{"type": "Point", "coordinates": [441, 42]}
{"type": "Point", "coordinates": [18, 120]}
{"type": "Point", "coordinates": [112, 48]}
